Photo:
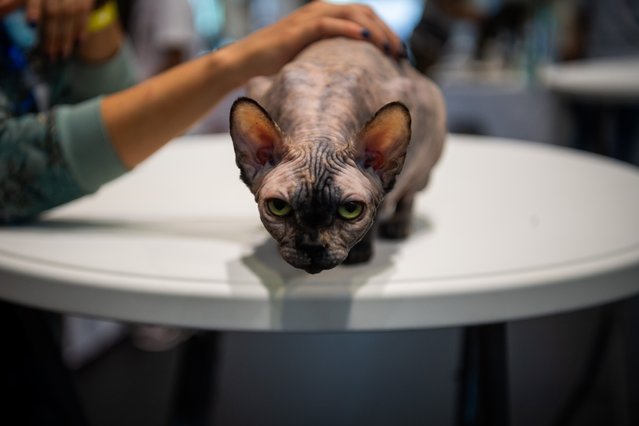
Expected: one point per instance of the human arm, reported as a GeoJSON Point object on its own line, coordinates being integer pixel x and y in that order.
{"type": "Point", "coordinates": [142, 119]}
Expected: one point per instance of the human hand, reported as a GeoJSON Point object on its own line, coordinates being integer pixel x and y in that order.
{"type": "Point", "coordinates": [62, 23]}
{"type": "Point", "coordinates": [275, 45]}
{"type": "Point", "coordinates": [8, 6]}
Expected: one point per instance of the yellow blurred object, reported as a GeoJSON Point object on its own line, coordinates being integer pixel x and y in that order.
{"type": "Point", "coordinates": [102, 17]}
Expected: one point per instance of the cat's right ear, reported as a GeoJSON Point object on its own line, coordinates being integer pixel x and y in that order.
{"type": "Point", "coordinates": [382, 143]}
{"type": "Point", "coordinates": [256, 138]}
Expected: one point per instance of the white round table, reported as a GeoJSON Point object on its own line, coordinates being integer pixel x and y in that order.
{"type": "Point", "coordinates": [507, 230]}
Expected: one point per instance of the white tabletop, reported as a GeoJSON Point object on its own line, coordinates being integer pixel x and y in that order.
{"type": "Point", "coordinates": [615, 79]}
{"type": "Point", "coordinates": [507, 229]}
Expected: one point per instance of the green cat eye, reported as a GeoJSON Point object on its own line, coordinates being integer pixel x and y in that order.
{"type": "Point", "coordinates": [279, 207]}
{"type": "Point", "coordinates": [350, 210]}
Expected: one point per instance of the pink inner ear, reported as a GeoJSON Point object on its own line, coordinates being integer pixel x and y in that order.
{"type": "Point", "coordinates": [264, 155]}
{"type": "Point", "coordinates": [374, 159]}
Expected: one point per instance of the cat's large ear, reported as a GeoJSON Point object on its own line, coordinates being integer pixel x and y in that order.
{"type": "Point", "coordinates": [256, 138]}
{"type": "Point", "coordinates": [382, 143]}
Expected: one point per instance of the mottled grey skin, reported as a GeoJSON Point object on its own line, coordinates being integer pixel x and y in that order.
{"type": "Point", "coordinates": [319, 105]}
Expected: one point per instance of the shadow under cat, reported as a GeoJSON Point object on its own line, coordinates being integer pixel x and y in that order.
{"type": "Point", "coordinates": [295, 294]}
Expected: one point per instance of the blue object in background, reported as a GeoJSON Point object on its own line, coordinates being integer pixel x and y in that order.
{"type": "Point", "coordinates": [209, 18]}
{"type": "Point", "coordinates": [21, 33]}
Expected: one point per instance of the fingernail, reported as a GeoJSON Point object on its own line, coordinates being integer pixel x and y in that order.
{"type": "Point", "coordinates": [387, 48]}
{"type": "Point", "coordinates": [365, 33]}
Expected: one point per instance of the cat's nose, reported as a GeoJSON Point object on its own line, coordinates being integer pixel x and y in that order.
{"type": "Point", "coordinates": [310, 244]}
{"type": "Point", "coordinates": [318, 259]}
{"type": "Point", "coordinates": [311, 247]}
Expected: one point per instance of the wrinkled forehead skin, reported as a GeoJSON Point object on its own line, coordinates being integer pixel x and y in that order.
{"type": "Point", "coordinates": [315, 180]}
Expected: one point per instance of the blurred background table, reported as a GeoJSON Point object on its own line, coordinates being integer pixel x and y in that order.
{"type": "Point", "coordinates": [608, 79]}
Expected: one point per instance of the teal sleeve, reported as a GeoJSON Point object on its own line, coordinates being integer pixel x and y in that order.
{"type": "Point", "coordinates": [86, 146]}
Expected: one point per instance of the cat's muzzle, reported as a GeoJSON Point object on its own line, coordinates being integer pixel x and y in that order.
{"type": "Point", "coordinates": [311, 258]}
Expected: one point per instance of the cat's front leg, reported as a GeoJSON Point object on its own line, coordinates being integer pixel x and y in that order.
{"type": "Point", "coordinates": [398, 226]}
{"type": "Point", "coordinates": [363, 250]}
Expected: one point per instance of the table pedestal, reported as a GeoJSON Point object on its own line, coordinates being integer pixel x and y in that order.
{"type": "Point", "coordinates": [195, 388]}
{"type": "Point", "coordinates": [483, 389]}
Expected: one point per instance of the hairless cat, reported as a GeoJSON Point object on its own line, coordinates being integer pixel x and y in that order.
{"type": "Point", "coordinates": [335, 147]}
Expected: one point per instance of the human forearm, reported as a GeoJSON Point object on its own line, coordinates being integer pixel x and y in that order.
{"type": "Point", "coordinates": [143, 118]}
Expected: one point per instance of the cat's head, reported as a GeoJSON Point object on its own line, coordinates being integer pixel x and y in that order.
{"type": "Point", "coordinates": [315, 197]}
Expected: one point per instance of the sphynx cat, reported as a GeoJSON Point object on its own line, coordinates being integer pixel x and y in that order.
{"type": "Point", "coordinates": [335, 147]}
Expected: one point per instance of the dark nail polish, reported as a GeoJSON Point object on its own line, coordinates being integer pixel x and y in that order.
{"type": "Point", "coordinates": [387, 48]}
{"type": "Point", "coordinates": [366, 34]}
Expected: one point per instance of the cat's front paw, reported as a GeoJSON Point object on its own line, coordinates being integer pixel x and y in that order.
{"type": "Point", "coordinates": [360, 253]}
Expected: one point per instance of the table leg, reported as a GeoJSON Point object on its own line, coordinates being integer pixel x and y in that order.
{"type": "Point", "coordinates": [36, 387]}
{"type": "Point", "coordinates": [195, 395]}
{"type": "Point", "coordinates": [483, 397]}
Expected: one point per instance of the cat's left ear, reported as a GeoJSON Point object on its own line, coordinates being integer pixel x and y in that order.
{"type": "Point", "coordinates": [256, 138]}
{"type": "Point", "coordinates": [382, 143]}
